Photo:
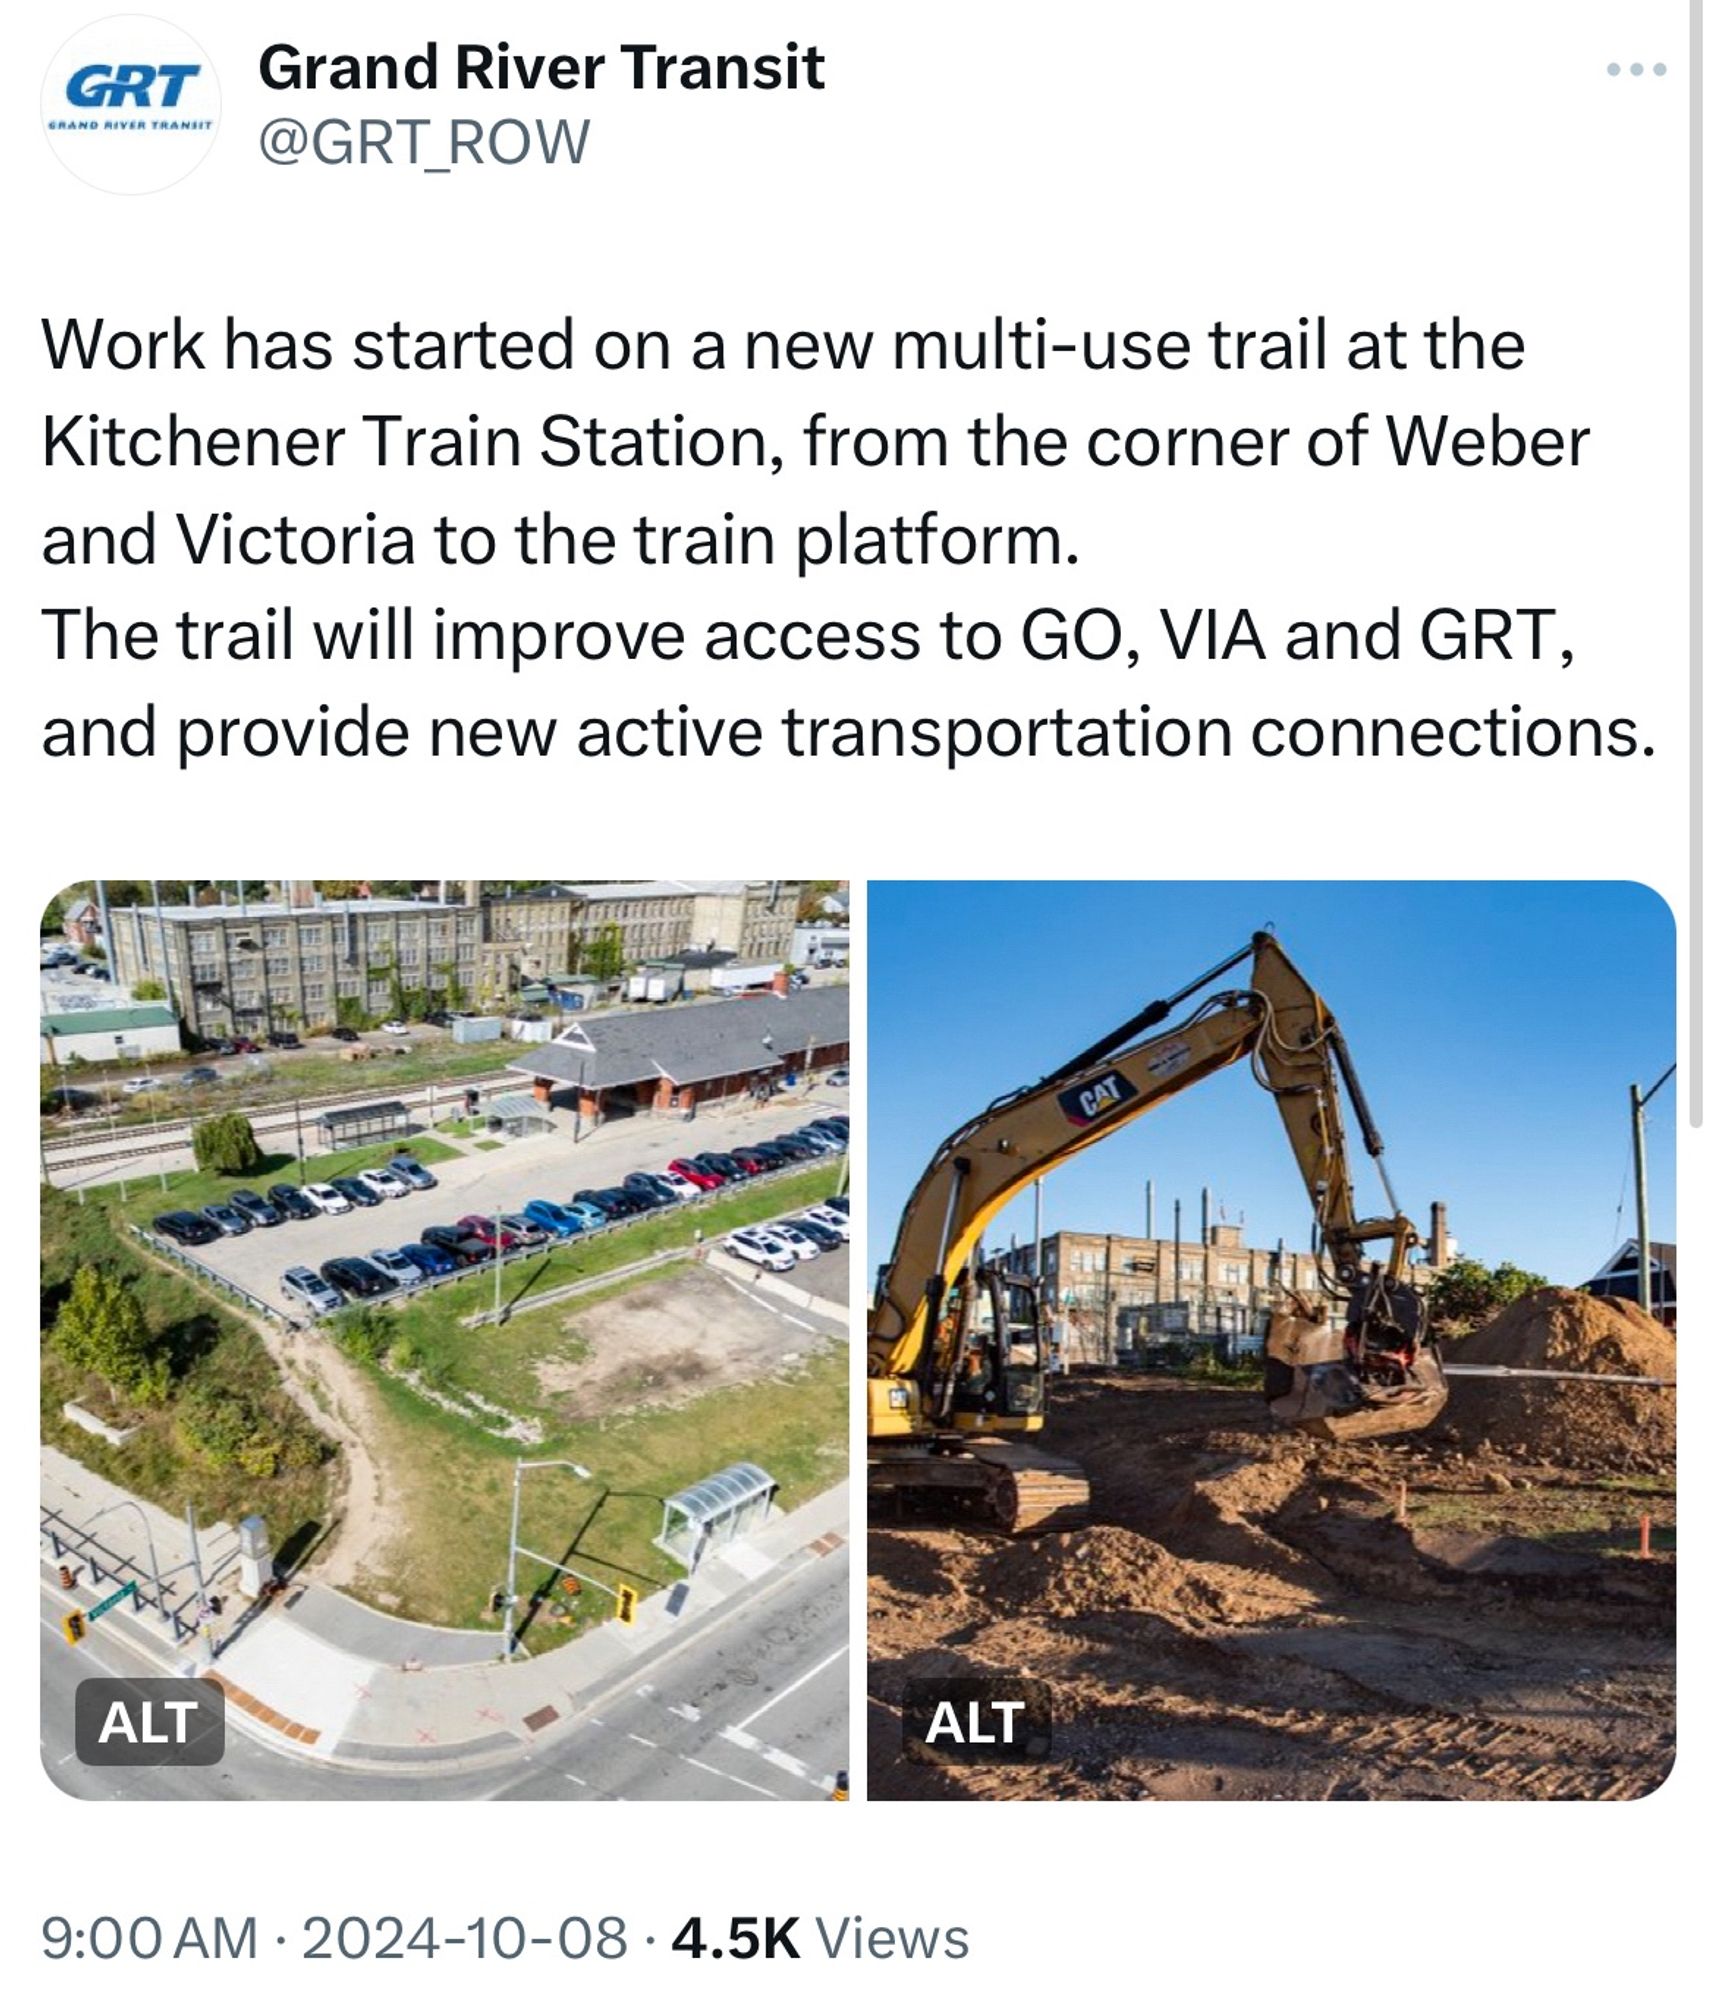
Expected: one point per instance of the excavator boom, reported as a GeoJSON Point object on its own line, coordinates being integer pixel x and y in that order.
{"type": "Point", "coordinates": [936, 1317]}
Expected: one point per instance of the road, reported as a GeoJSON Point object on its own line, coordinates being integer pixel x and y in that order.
{"type": "Point", "coordinates": [755, 1708]}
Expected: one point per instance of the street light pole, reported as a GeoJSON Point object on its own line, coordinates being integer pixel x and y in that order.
{"type": "Point", "coordinates": [1639, 1100]}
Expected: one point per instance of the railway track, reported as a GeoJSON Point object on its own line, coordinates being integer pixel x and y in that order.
{"type": "Point", "coordinates": [143, 1142]}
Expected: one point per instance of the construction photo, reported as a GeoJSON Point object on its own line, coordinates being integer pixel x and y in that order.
{"type": "Point", "coordinates": [1272, 1346]}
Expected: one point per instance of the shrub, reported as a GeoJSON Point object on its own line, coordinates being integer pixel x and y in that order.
{"type": "Point", "coordinates": [226, 1145]}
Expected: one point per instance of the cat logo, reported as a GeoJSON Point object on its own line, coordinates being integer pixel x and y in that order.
{"type": "Point", "coordinates": [1096, 1097]}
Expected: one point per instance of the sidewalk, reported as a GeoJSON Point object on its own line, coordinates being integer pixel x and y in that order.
{"type": "Point", "coordinates": [319, 1674]}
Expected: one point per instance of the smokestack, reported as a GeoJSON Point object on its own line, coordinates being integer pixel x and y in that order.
{"type": "Point", "coordinates": [1204, 1238]}
{"type": "Point", "coordinates": [1438, 1235]}
{"type": "Point", "coordinates": [1150, 1210]}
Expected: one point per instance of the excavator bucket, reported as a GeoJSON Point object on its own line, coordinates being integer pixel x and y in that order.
{"type": "Point", "coordinates": [1312, 1385]}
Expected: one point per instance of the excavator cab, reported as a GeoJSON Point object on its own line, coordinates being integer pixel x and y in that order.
{"type": "Point", "coordinates": [1369, 1374]}
{"type": "Point", "coordinates": [995, 1355]}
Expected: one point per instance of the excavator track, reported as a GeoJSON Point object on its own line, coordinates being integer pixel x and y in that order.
{"type": "Point", "coordinates": [1020, 1490]}
{"type": "Point", "coordinates": [1033, 1493]}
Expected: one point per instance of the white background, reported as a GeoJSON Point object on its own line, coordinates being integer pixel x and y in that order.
{"type": "Point", "coordinates": [1111, 167]}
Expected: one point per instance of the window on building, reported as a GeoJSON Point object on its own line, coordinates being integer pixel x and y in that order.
{"type": "Point", "coordinates": [1233, 1274]}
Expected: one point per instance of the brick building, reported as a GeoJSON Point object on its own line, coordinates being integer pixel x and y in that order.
{"type": "Point", "coordinates": [673, 1059]}
{"type": "Point", "coordinates": [1112, 1296]}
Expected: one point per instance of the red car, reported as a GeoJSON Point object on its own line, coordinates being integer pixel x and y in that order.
{"type": "Point", "coordinates": [752, 1163]}
{"type": "Point", "coordinates": [242, 1045]}
{"type": "Point", "coordinates": [696, 1175]}
{"type": "Point", "coordinates": [483, 1228]}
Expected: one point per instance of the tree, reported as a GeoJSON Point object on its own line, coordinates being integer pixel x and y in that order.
{"type": "Point", "coordinates": [148, 989]}
{"type": "Point", "coordinates": [1469, 1293]}
{"type": "Point", "coordinates": [101, 1330]}
{"type": "Point", "coordinates": [54, 916]}
{"type": "Point", "coordinates": [606, 956]}
{"type": "Point", "coordinates": [226, 1145]}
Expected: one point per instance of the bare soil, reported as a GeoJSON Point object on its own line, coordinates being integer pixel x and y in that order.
{"type": "Point", "coordinates": [666, 1342]}
{"type": "Point", "coordinates": [1246, 1617]}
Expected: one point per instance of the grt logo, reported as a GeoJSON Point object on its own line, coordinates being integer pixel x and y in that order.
{"type": "Point", "coordinates": [149, 1721]}
{"type": "Point", "coordinates": [109, 86]}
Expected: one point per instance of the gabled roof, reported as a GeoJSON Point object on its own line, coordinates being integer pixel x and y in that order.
{"type": "Point", "coordinates": [691, 1042]}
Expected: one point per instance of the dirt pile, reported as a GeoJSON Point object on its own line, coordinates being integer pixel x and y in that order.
{"type": "Point", "coordinates": [1095, 1570]}
{"type": "Point", "coordinates": [1568, 1423]}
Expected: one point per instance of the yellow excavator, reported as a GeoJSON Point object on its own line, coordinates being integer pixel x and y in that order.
{"type": "Point", "coordinates": [959, 1359]}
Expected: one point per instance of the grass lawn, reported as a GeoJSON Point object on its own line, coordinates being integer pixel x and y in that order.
{"type": "Point", "coordinates": [191, 1188]}
{"type": "Point", "coordinates": [214, 1356]}
{"type": "Point", "coordinates": [459, 1484]}
{"type": "Point", "coordinates": [459, 1475]}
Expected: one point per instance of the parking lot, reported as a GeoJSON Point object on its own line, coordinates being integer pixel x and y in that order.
{"type": "Point", "coordinates": [551, 1166]}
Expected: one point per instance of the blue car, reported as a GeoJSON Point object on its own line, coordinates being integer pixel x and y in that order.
{"type": "Point", "coordinates": [551, 1216]}
{"type": "Point", "coordinates": [411, 1172]}
{"type": "Point", "coordinates": [588, 1214]}
{"type": "Point", "coordinates": [429, 1258]}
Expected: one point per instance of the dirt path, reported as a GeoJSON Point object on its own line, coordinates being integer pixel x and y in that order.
{"type": "Point", "coordinates": [341, 1403]}
{"type": "Point", "coordinates": [1245, 1618]}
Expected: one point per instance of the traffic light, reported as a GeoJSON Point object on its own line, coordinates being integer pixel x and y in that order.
{"type": "Point", "coordinates": [628, 1604]}
{"type": "Point", "coordinates": [72, 1626]}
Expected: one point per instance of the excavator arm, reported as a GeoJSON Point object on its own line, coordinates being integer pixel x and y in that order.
{"type": "Point", "coordinates": [1282, 1026]}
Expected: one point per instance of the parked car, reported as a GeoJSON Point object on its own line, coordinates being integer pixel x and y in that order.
{"type": "Point", "coordinates": [412, 1172]}
{"type": "Point", "coordinates": [800, 1242]}
{"type": "Point", "coordinates": [201, 1074]}
{"type": "Point", "coordinates": [357, 1277]}
{"type": "Point", "coordinates": [186, 1228]}
{"type": "Point", "coordinates": [326, 1199]}
{"type": "Point", "coordinates": [281, 1039]}
{"type": "Point", "coordinates": [439, 1018]}
{"type": "Point", "coordinates": [817, 1138]}
{"type": "Point", "coordinates": [649, 1191]}
{"type": "Point", "coordinates": [756, 1248]}
{"type": "Point", "coordinates": [396, 1027]}
{"type": "Point", "coordinates": [840, 1077]}
{"type": "Point", "coordinates": [590, 1214]}
{"type": "Point", "coordinates": [293, 1203]}
{"type": "Point", "coordinates": [400, 1268]}
{"type": "Point", "coordinates": [355, 1191]}
{"type": "Point", "coordinates": [551, 1216]}
{"type": "Point", "coordinates": [460, 1246]}
{"type": "Point", "coordinates": [429, 1258]}
{"type": "Point", "coordinates": [525, 1232]}
{"type": "Point", "coordinates": [304, 1287]}
{"type": "Point", "coordinates": [701, 1177]}
{"type": "Point", "coordinates": [384, 1182]}
{"type": "Point", "coordinates": [602, 1200]}
{"type": "Point", "coordinates": [681, 1186]}
{"type": "Point", "coordinates": [488, 1231]}
{"type": "Point", "coordinates": [843, 1202]}
{"type": "Point", "coordinates": [831, 1218]}
{"type": "Point", "coordinates": [819, 1232]}
{"type": "Point", "coordinates": [134, 1086]}
{"type": "Point", "coordinates": [257, 1209]}
{"type": "Point", "coordinates": [722, 1165]}
{"type": "Point", "coordinates": [242, 1045]}
{"type": "Point", "coordinates": [344, 1034]}
{"type": "Point", "coordinates": [798, 1147]}
{"type": "Point", "coordinates": [228, 1220]}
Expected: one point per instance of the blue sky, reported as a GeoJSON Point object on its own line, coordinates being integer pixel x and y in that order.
{"type": "Point", "coordinates": [1495, 1027]}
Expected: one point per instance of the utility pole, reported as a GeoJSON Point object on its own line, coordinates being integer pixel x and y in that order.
{"type": "Point", "coordinates": [1639, 1100]}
